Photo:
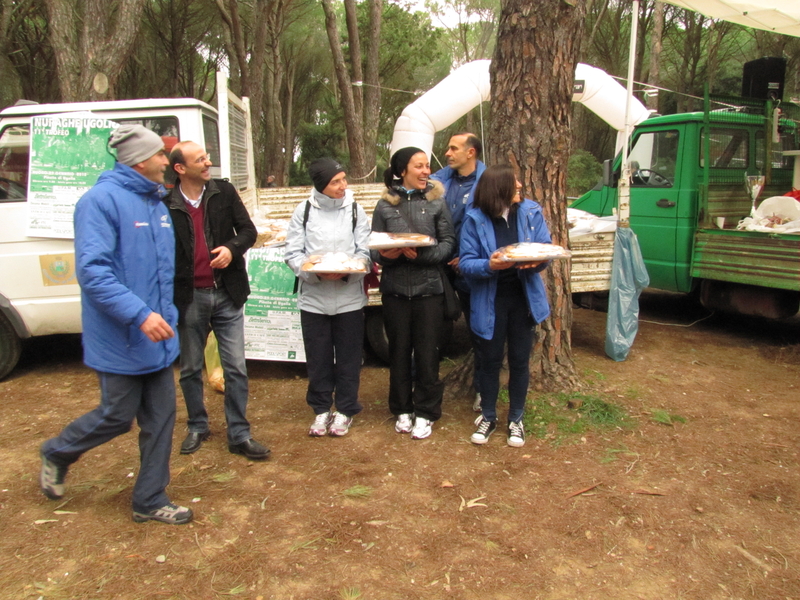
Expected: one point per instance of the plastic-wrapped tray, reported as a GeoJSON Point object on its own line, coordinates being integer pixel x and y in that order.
{"type": "Point", "coordinates": [335, 262]}
{"type": "Point", "coordinates": [382, 240]}
{"type": "Point", "coordinates": [533, 252]}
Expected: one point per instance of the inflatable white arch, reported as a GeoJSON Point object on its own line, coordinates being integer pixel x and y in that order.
{"type": "Point", "coordinates": [468, 86]}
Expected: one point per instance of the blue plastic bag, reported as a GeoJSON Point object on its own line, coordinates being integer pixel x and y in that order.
{"type": "Point", "coordinates": [628, 278]}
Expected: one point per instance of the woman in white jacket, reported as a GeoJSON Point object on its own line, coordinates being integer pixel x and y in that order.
{"type": "Point", "coordinates": [331, 305]}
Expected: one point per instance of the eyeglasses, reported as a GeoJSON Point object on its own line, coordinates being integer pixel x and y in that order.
{"type": "Point", "coordinates": [202, 159]}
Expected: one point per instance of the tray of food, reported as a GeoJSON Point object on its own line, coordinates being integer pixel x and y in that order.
{"type": "Point", "coordinates": [335, 262]}
{"type": "Point", "coordinates": [382, 240]}
{"type": "Point", "coordinates": [533, 252]}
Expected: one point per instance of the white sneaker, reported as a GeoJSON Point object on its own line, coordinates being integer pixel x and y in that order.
{"type": "Point", "coordinates": [516, 434]}
{"type": "Point", "coordinates": [404, 423]}
{"type": "Point", "coordinates": [476, 406]}
{"type": "Point", "coordinates": [320, 425]}
{"type": "Point", "coordinates": [340, 424]}
{"type": "Point", "coordinates": [422, 429]}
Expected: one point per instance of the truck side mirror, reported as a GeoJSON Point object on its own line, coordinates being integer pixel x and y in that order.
{"type": "Point", "coordinates": [607, 176]}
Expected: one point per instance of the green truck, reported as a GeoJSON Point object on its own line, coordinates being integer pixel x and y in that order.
{"type": "Point", "coordinates": [687, 197]}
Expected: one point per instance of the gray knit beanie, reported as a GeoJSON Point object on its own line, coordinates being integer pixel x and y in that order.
{"type": "Point", "coordinates": [135, 144]}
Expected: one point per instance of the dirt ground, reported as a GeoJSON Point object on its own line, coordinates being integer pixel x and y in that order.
{"type": "Point", "coordinates": [703, 509]}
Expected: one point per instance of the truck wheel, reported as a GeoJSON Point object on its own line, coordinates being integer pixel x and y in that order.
{"type": "Point", "coordinates": [379, 342]}
{"type": "Point", "coordinates": [376, 335]}
{"type": "Point", "coordinates": [10, 347]}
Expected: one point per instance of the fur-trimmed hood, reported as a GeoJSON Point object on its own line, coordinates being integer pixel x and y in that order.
{"type": "Point", "coordinates": [434, 191]}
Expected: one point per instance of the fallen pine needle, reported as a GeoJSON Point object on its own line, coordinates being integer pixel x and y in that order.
{"type": "Point", "coordinates": [196, 539]}
{"type": "Point", "coordinates": [583, 491]}
{"type": "Point", "coordinates": [471, 503]}
{"type": "Point", "coordinates": [648, 493]}
{"type": "Point", "coordinates": [753, 559]}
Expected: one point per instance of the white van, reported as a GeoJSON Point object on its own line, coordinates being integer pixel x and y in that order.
{"type": "Point", "coordinates": [39, 294]}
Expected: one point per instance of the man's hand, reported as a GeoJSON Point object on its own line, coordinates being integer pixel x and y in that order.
{"type": "Point", "coordinates": [156, 328]}
{"type": "Point", "coordinates": [223, 258]}
{"type": "Point", "coordinates": [454, 264]}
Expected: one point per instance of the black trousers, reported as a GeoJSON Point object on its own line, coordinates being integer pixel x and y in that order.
{"type": "Point", "coordinates": [333, 346]}
{"type": "Point", "coordinates": [414, 328]}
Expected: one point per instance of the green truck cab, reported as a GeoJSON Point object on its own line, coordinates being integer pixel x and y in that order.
{"type": "Point", "coordinates": [687, 196]}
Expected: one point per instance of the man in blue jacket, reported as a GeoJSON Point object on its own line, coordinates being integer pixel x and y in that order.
{"type": "Point", "coordinates": [125, 262]}
{"type": "Point", "coordinates": [460, 176]}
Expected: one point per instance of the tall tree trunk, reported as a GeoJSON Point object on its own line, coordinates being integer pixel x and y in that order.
{"type": "Point", "coordinates": [372, 88]}
{"type": "Point", "coordinates": [92, 40]}
{"type": "Point", "coordinates": [656, 43]}
{"type": "Point", "coordinates": [531, 76]}
{"type": "Point", "coordinates": [354, 45]}
{"type": "Point", "coordinates": [229, 11]}
{"type": "Point", "coordinates": [259, 72]}
{"type": "Point", "coordinates": [352, 119]}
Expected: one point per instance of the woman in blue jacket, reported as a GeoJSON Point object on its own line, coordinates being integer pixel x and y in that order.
{"type": "Point", "coordinates": [508, 298]}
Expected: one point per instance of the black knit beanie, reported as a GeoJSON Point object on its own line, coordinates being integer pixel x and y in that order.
{"type": "Point", "coordinates": [322, 170]}
{"type": "Point", "coordinates": [398, 164]}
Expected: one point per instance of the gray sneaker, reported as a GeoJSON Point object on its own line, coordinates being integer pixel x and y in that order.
{"type": "Point", "coordinates": [171, 514]}
{"type": "Point", "coordinates": [320, 425]}
{"type": "Point", "coordinates": [476, 406]}
{"type": "Point", "coordinates": [51, 478]}
{"type": "Point", "coordinates": [340, 424]}
{"type": "Point", "coordinates": [404, 423]}
{"type": "Point", "coordinates": [422, 429]}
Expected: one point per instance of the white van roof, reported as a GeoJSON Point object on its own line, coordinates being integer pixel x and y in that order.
{"type": "Point", "coordinates": [139, 105]}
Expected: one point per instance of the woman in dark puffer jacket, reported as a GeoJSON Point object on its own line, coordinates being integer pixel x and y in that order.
{"type": "Point", "coordinates": [412, 291]}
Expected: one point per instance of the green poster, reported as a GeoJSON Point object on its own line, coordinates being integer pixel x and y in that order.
{"type": "Point", "coordinates": [68, 153]}
{"type": "Point", "coordinates": [271, 320]}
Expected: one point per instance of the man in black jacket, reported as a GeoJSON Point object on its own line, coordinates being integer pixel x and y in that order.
{"type": "Point", "coordinates": [212, 233]}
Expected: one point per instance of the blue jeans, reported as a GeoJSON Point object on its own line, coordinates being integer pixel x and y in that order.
{"type": "Point", "coordinates": [150, 399]}
{"type": "Point", "coordinates": [512, 323]}
{"type": "Point", "coordinates": [214, 309]}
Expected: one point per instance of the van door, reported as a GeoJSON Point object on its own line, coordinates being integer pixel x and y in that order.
{"type": "Point", "coordinates": [38, 283]}
{"type": "Point", "coordinates": [654, 202]}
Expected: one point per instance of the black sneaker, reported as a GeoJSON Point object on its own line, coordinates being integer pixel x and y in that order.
{"type": "Point", "coordinates": [51, 478]}
{"type": "Point", "coordinates": [484, 430]}
{"type": "Point", "coordinates": [169, 513]}
{"type": "Point", "coordinates": [516, 434]}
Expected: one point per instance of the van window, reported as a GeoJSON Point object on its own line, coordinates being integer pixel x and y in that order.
{"type": "Point", "coordinates": [653, 158]}
{"type": "Point", "coordinates": [728, 149]}
{"type": "Point", "coordinates": [14, 149]}
{"type": "Point", "coordinates": [166, 127]}
{"type": "Point", "coordinates": [211, 139]}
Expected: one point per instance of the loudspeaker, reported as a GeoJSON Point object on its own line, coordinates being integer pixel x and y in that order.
{"type": "Point", "coordinates": [763, 78]}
